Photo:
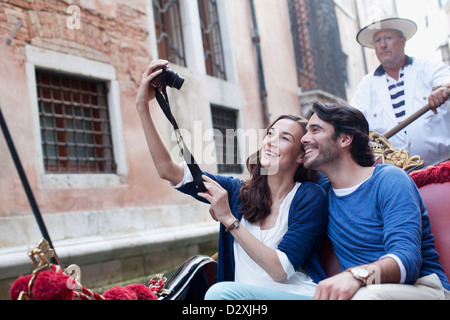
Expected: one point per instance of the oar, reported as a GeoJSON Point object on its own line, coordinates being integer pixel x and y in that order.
{"type": "Point", "coordinates": [25, 183]}
{"type": "Point", "coordinates": [409, 120]}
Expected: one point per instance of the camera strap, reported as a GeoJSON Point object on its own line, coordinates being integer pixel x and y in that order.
{"type": "Point", "coordinates": [163, 101]}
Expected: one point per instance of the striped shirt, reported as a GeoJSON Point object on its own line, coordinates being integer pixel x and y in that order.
{"type": "Point", "coordinates": [397, 92]}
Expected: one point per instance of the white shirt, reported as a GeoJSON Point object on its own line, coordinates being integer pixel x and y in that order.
{"type": "Point", "coordinates": [248, 271]}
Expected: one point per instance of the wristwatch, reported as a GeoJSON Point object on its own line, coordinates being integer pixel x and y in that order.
{"type": "Point", "coordinates": [360, 274]}
{"type": "Point", "coordinates": [232, 226]}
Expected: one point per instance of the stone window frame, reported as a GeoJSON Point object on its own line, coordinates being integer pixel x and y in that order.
{"type": "Point", "coordinates": [192, 36]}
{"type": "Point", "coordinates": [37, 57]}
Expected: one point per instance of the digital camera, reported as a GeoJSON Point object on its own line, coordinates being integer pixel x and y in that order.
{"type": "Point", "coordinates": [172, 79]}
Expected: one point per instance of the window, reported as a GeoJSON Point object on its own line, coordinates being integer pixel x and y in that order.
{"type": "Point", "coordinates": [169, 33]}
{"type": "Point", "coordinates": [212, 40]}
{"type": "Point", "coordinates": [74, 124]}
{"type": "Point", "coordinates": [225, 125]}
{"type": "Point", "coordinates": [318, 52]}
{"type": "Point", "coordinates": [304, 56]}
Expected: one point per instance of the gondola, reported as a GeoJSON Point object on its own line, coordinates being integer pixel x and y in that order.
{"type": "Point", "coordinates": [51, 281]}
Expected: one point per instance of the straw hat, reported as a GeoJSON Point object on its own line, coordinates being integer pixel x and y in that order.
{"type": "Point", "coordinates": [366, 34]}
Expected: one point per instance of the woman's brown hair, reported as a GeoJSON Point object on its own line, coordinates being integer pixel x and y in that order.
{"type": "Point", "coordinates": [255, 193]}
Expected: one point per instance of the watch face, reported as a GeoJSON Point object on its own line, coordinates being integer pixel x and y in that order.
{"type": "Point", "coordinates": [360, 272]}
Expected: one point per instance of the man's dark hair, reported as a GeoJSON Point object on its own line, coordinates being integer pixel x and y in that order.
{"type": "Point", "coordinates": [348, 120]}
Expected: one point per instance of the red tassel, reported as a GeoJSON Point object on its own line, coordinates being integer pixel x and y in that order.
{"type": "Point", "coordinates": [142, 292]}
{"type": "Point", "coordinates": [437, 174]}
{"type": "Point", "coordinates": [21, 284]}
{"type": "Point", "coordinates": [50, 285]}
{"type": "Point", "coordinates": [119, 293]}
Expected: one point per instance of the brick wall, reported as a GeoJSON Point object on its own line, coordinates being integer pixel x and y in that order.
{"type": "Point", "coordinates": [319, 56]}
{"type": "Point", "coordinates": [305, 59]}
{"type": "Point", "coordinates": [114, 32]}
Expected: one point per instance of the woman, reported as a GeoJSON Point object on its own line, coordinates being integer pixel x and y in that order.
{"type": "Point", "coordinates": [271, 225]}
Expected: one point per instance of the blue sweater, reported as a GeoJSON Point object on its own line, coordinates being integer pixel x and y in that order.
{"type": "Point", "coordinates": [301, 243]}
{"type": "Point", "coordinates": [385, 215]}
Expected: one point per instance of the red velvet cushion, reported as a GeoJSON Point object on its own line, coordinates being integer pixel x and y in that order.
{"type": "Point", "coordinates": [437, 201]}
{"type": "Point", "coordinates": [330, 262]}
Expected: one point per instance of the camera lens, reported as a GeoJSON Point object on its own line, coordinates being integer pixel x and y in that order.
{"type": "Point", "coordinates": [173, 79]}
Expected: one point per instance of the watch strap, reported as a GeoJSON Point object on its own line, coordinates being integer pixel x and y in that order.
{"type": "Point", "coordinates": [232, 226]}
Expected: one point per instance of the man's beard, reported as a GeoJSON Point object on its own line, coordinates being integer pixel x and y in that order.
{"type": "Point", "coordinates": [325, 154]}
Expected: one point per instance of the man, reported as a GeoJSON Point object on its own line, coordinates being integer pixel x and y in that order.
{"type": "Point", "coordinates": [378, 224]}
{"type": "Point", "coordinates": [400, 86]}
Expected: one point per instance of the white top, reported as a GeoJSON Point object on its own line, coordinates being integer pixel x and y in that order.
{"type": "Point", "coordinates": [248, 271]}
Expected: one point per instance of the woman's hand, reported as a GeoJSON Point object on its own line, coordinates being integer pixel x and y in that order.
{"type": "Point", "coordinates": [218, 198]}
{"type": "Point", "coordinates": [162, 159]}
{"type": "Point", "coordinates": [145, 92]}
{"type": "Point", "coordinates": [220, 210]}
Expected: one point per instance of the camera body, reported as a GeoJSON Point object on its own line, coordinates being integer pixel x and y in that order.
{"type": "Point", "coordinates": [172, 79]}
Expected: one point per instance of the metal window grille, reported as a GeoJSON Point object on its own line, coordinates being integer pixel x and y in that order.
{"type": "Point", "coordinates": [74, 123]}
{"type": "Point", "coordinates": [212, 40]}
{"type": "Point", "coordinates": [317, 48]}
{"type": "Point", "coordinates": [303, 54]}
{"type": "Point", "coordinates": [169, 32]}
{"type": "Point", "coordinates": [225, 121]}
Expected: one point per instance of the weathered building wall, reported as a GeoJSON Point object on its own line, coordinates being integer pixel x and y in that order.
{"type": "Point", "coordinates": [91, 218]}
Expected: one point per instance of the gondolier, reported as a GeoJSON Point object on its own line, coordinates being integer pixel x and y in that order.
{"type": "Point", "coordinates": [400, 86]}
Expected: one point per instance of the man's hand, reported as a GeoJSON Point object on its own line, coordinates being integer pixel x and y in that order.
{"type": "Point", "coordinates": [438, 97]}
{"type": "Point", "coordinates": [342, 286]}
